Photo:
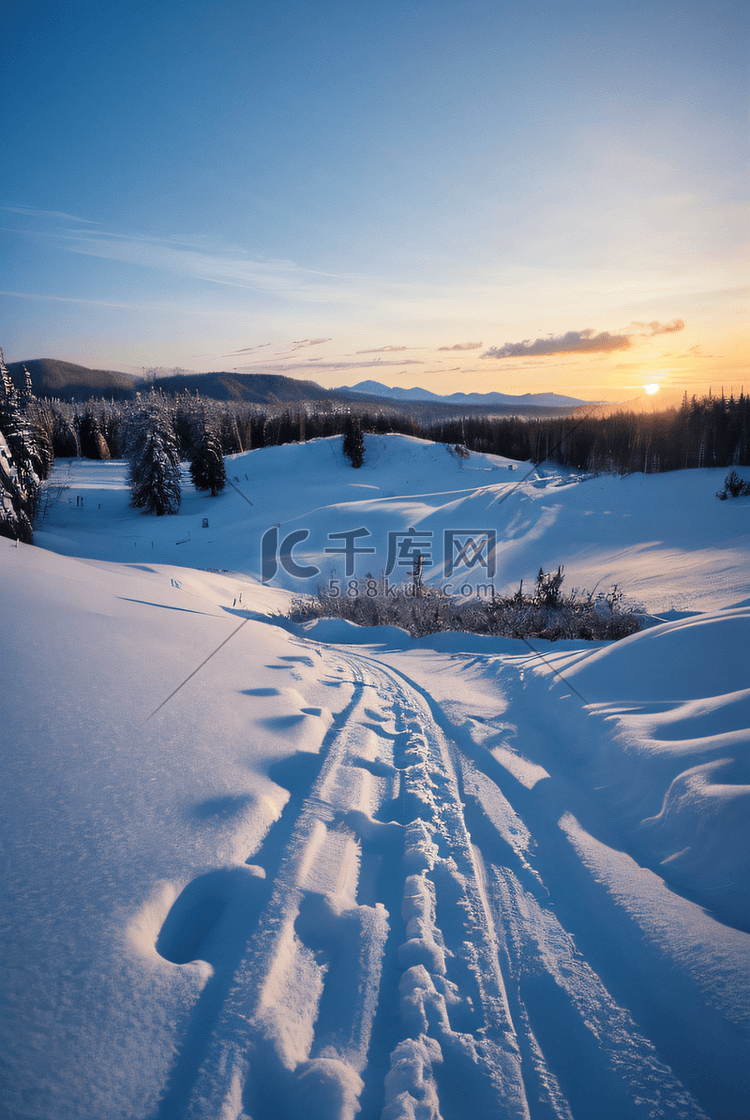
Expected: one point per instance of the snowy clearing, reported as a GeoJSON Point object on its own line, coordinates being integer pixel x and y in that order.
{"type": "Point", "coordinates": [257, 871]}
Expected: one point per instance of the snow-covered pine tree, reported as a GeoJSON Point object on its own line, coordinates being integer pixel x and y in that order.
{"type": "Point", "coordinates": [154, 460]}
{"type": "Point", "coordinates": [23, 464]}
{"type": "Point", "coordinates": [65, 442]}
{"type": "Point", "coordinates": [27, 393]}
{"type": "Point", "coordinates": [91, 440]}
{"type": "Point", "coordinates": [38, 420]}
{"type": "Point", "coordinates": [14, 521]}
{"type": "Point", "coordinates": [207, 464]}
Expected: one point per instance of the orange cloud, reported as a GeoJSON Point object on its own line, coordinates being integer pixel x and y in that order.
{"type": "Point", "coordinates": [661, 328]}
{"type": "Point", "coordinates": [571, 342]}
{"type": "Point", "coordinates": [462, 346]}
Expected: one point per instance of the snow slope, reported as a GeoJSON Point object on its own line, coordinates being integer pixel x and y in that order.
{"type": "Point", "coordinates": [257, 871]}
{"type": "Point", "coordinates": [664, 538]}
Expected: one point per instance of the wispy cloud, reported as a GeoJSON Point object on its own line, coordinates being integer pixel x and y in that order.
{"type": "Point", "coordinates": [280, 351]}
{"type": "Point", "coordinates": [384, 350]}
{"type": "Point", "coordinates": [655, 327]}
{"type": "Point", "coordinates": [29, 212]}
{"type": "Point", "coordinates": [463, 346]}
{"type": "Point", "coordinates": [69, 299]}
{"type": "Point", "coordinates": [571, 342]}
{"type": "Point", "coordinates": [327, 365]}
{"type": "Point", "coordinates": [198, 258]}
{"type": "Point", "coordinates": [223, 267]}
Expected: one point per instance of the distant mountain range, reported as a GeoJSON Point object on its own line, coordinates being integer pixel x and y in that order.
{"type": "Point", "coordinates": [526, 400]}
{"type": "Point", "coordinates": [256, 388]}
{"type": "Point", "coordinates": [67, 381]}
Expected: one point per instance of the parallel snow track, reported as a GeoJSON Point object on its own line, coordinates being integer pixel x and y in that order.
{"type": "Point", "coordinates": [401, 968]}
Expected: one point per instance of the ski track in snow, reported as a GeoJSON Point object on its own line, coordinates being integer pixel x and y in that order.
{"type": "Point", "coordinates": [387, 963]}
{"type": "Point", "coordinates": [449, 900]}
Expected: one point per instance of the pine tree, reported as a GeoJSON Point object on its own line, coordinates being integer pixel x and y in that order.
{"type": "Point", "coordinates": [14, 521]}
{"type": "Point", "coordinates": [207, 465]}
{"type": "Point", "coordinates": [154, 461]}
{"type": "Point", "coordinates": [23, 466]}
{"type": "Point", "coordinates": [27, 393]}
{"type": "Point", "coordinates": [92, 441]}
{"type": "Point", "coordinates": [354, 443]}
{"type": "Point", "coordinates": [65, 442]}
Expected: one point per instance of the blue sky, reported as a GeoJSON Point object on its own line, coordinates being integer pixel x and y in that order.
{"type": "Point", "coordinates": [461, 194]}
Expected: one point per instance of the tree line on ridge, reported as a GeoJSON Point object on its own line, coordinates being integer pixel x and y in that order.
{"type": "Point", "coordinates": [157, 432]}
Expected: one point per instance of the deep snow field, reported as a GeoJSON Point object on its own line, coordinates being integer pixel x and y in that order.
{"type": "Point", "coordinates": [259, 871]}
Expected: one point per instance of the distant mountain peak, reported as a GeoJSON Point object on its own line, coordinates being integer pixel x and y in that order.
{"type": "Point", "coordinates": [396, 393]}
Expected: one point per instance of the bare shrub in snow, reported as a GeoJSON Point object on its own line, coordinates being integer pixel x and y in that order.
{"type": "Point", "coordinates": [734, 487]}
{"type": "Point", "coordinates": [547, 613]}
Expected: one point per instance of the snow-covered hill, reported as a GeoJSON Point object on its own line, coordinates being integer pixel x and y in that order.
{"type": "Point", "coordinates": [664, 538]}
{"type": "Point", "coordinates": [258, 871]}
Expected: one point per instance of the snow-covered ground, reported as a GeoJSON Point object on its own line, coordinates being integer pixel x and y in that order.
{"type": "Point", "coordinates": [257, 871]}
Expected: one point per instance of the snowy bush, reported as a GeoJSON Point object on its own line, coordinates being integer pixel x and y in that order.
{"type": "Point", "coordinates": [548, 588]}
{"type": "Point", "coordinates": [545, 614]}
{"type": "Point", "coordinates": [734, 487]}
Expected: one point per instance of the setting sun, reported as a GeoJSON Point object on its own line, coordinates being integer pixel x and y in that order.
{"type": "Point", "coordinates": [651, 389]}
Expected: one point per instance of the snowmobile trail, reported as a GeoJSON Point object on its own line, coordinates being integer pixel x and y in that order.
{"type": "Point", "coordinates": [395, 948]}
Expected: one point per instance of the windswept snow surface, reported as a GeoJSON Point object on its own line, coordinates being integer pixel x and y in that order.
{"type": "Point", "coordinates": [257, 871]}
